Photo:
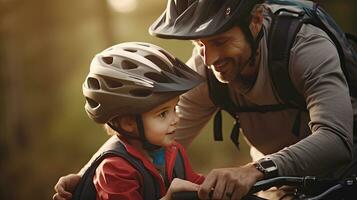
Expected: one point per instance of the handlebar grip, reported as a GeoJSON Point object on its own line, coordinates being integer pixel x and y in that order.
{"type": "Point", "coordinates": [187, 195]}
{"type": "Point", "coordinates": [193, 195]}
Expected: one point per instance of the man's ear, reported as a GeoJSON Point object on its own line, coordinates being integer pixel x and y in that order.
{"type": "Point", "coordinates": [256, 22]}
{"type": "Point", "coordinates": [128, 123]}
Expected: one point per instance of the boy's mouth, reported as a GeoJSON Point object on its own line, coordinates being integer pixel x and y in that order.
{"type": "Point", "coordinates": [170, 133]}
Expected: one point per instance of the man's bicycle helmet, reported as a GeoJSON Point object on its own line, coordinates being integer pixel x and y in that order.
{"type": "Point", "coordinates": [194, 19]}
{"type": "Point", "coordinates": [132, 78]}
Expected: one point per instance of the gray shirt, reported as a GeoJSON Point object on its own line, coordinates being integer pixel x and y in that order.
{"type": "Point", "coordinates": [325, 143]}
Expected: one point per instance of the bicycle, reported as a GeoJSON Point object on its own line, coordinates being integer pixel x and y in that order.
{"type": "Point", "coordinates": [306, 188]}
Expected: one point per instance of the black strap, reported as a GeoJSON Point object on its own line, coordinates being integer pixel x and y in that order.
{"type": "Point", "coordinates": [145, 143]}
{"type": "Point", "coordinates": [281, 38]}
{"type": "Point", "coordinates": [251, 40]}
{"type": "Point", "coordinates": [217, 128]}
{"type": "Point", "coordinates": [123, 132]}
{"type": "Point", "coordinates": [351, 37]}
{"type": "Point", "coordinates": [235, 133]}
{"type": "Point", "coordinates": [219, 94]}
{"type": "Point", "coordinates": [354, 129]}
{"type": "Point", "coordinates": [85, 190]}
{"type": "Point", "coordinates": [283, 31]}
{"type": "Point", "coordinates": [179, 167]}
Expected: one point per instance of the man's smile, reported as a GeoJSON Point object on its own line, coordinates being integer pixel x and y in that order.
{"type": "Point", "coordinates": [220, 66]}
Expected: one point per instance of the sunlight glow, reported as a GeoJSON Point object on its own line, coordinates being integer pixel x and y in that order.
{"type": "Point", "coordinates": [123, 6]}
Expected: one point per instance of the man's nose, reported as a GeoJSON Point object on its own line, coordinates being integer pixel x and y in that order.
{"type": "Point", "coordinates": [209, 55]}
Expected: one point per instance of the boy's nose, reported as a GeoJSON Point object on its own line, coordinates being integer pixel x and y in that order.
{"type": "Point", "coordinates": [175, 118]}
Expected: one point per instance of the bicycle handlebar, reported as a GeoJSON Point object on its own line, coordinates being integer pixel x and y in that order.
{"type": "Point", "coordinates": [192, 195]}
{"type": "Point", "coordinates": [304, 183]}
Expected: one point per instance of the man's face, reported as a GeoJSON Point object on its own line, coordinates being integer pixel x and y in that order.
{"type": "Point", "coordinates": [227, 54]}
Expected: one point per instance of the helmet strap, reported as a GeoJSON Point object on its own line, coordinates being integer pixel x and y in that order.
{"type": "Point", "coordinates": [140, 125]}
{"type": "Point", "coordinates": [123, 132]}
{"type": "Point", "coordinates": [253, 42]}
{"type": "Point", "coordinates": [146, 144]}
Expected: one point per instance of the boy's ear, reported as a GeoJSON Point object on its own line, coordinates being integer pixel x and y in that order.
{"type": "Point", "coordinates": [128, 123]}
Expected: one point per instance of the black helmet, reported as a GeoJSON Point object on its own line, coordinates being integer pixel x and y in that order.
{"type": "Point", "coordinates": [132, 78]}
{"type": "Point", "coordinates": [193, 19]}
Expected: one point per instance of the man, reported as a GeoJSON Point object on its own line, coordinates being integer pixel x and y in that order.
{"type": "Point", "coordinates": [230, 39]}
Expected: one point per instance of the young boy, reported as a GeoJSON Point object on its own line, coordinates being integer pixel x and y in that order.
{"type": "Point", "coordinates": [133, 89]}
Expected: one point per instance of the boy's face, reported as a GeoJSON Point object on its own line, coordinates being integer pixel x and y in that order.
{"type": "Point", "coordinates": [160, 123]}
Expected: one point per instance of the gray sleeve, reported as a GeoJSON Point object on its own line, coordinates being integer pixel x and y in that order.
{"type": "Point", "coordinates": [315, 70]}
{"type": "Point", "coordinates": [195, 107]}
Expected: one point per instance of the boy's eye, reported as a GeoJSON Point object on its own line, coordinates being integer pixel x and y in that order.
{"type": "Point", "coordinates": [163, 114]}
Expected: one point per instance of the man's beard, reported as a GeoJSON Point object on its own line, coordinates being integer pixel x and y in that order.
{"type": "Point", "coordinates": [236, 68]}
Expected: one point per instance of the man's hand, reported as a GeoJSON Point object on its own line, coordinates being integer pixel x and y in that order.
{"type": "Point", "coordinates": [179, 185]}
{"type": "Point", "coordinates": [229, 183]}
{"type": "Point", "coordinates": [65, 186]}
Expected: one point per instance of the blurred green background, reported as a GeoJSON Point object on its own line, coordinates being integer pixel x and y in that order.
{"type": "Point", "coordinates": [45, 50]}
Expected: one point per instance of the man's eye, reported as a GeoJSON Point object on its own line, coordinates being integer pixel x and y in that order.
{"type": "Point", "coordinates": [219, 42]}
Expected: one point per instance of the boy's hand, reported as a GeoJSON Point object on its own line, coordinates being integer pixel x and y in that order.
{"type": "Point", "coordinates": [179, 185]}
{"type": "Point", "coordinates": [65, 186]}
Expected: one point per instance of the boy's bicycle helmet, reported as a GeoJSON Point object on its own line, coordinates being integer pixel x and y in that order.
{"type": "Point", "coordinates": [132, 78]}
{"type": "Point", "coordinates": [194, 19]}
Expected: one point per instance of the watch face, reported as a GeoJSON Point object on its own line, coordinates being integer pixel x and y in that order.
{"type": "Point", "coordinates": [268, 165]}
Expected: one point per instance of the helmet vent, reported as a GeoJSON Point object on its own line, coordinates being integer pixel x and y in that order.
{"type": "Point", "coordinates": [131, 50]}
{"type": "Point", "coordinates": [140, 92]}
{"type": "Point", "coordinates": [108, 60]}
{"type": "Point", "coordinates": [92, 103]}
{"type": "Point", "coordinates": [93, 83]}
{"type": "Point", "coordinates": [158, 62]}
{"type": "Point", "coordinates": [113, 83]}
{"type": "Point", "coordinates": [145, 45]}
{"type": "Point", "coordinates": [179, 73]}
{"type": "Point", "coordinates": [172, 60]}
{"type": "Point", "coordinates": [183, 66]}
{"type": "Point", "coordinates": [128, 65]}
{"type": "Point", "coordinates": [160, 78]}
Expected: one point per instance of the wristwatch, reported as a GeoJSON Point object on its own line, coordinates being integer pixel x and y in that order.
{"type": "Point", "coordinates": [268, 167]}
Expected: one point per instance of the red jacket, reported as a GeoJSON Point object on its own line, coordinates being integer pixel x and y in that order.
{"type": "Point", "coordinates": [115, 178]}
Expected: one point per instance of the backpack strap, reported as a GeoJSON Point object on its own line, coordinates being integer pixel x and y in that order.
{"type": "Point", "coordinates": [351, 37]}
{"type": "Point", "coordinates": [179, 170]}
{"type": "Point", "coordinates": [85, 189]}
{"type": "Point", "coordinates": [179, 167]}
{"type": "Point", "coordinates": [283, 30]}
{"type": "Point", "coordinates": [219, 94]}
